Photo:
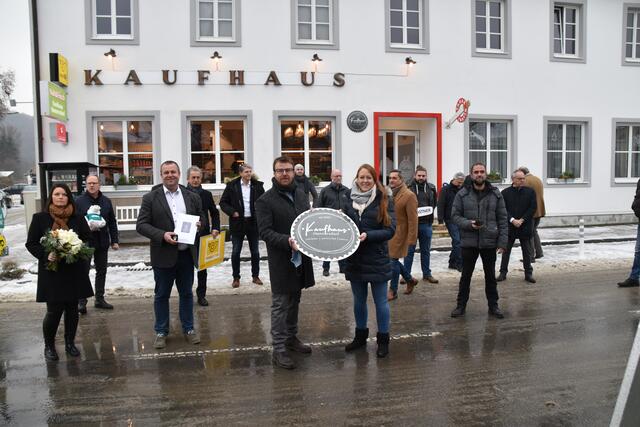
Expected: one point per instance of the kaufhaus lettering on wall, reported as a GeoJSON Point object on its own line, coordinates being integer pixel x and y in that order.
{"type": "Point", "coordinates": [208, 77]}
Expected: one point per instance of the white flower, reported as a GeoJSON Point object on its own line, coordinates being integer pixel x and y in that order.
{"type": "Point", "coordinates": [69, 239]}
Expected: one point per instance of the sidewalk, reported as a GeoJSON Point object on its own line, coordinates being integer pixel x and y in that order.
{"type": "Point", "coordinates": [130, 273]}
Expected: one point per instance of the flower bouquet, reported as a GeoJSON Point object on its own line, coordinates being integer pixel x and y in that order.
{"type": "Point", "coordinates": [67, 247]}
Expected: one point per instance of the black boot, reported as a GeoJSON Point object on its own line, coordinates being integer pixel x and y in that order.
{"type": "Point", "coordinates": [82, 306]}
{"type": "Point", "coordinates": [101, 303]}
{"type": "Point", "coordinates": [50, 352]}
{"type": "Point", "coordinates": [383, 344]}
{"type": "Point", "coordinates": [359, 341]}
{"type": "Point", "coordinates": [70, 347]}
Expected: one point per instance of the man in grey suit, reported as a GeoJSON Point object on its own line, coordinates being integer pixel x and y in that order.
{"type": "Point", "coordinates": [171, 261]}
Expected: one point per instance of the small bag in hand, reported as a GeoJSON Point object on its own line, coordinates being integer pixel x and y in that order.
{"type": "Point", "coordinates": [95, 221]}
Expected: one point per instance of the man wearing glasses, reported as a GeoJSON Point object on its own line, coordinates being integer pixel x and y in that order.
{"type": "Point", "coordinates": [520, 202]}
{"type": "Point", "coordinates": [101, 238]}
{"type": "Point", "coordinates": [289, 270]}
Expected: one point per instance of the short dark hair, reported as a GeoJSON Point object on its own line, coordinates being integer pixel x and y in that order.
{"type": "Point", "coordinates": [66, 189]}
{"type": "Point", "coordinates": [169, 162]}
{"type": "Point", "coordinates": [282, 159]}
{"type": "Point", "coordinates": [420, 168]}
{"type": "Point", "coordinates": [396, 171]}
{"type": "Point", "coordinates": [477, 164]}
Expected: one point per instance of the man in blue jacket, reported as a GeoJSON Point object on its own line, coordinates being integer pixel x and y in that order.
{"type": "Point", "coordinates": [101, 239]}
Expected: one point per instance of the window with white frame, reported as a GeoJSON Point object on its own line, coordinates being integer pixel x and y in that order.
{"type": "Point", "coordinates": [310, 143]}
{"type": "Point", "coordinates": [113, 19]}
{"type": "Point", "coordinates": [632, 35]}
{"type": "Point", "coordinates": [215, 20]}
{"type": "Point", "coordinates": [627, 151]}
{"type": "Point", "coordinates": [489, 143]}
{"type": "Point", "coordinates": [125, 151]}
{"type": "Point", "coordinates": [314, 21]}
{"type": "Point", "coordinates": [405, 23]}
{"type": "Point", "coordinates": [490, 25]}
{"type": "Point", "coordinates": [566, 21]}
{"type": "Point", "coordinates": [565, 150]}
{"type": "Point", "coordinates": [217, 147]}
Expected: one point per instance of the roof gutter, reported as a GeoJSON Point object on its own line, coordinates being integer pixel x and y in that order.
{"type": "Point", "coordinates": [35, 61]}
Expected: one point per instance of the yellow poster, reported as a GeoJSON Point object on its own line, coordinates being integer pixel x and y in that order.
{"type": "Point", "coordinates": [63, 70]}
{"type": "Point", "coordinates": [211, 251]}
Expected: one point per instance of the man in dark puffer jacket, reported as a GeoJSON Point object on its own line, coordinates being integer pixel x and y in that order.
{"type": "Point", "coordinates": [479, 211]}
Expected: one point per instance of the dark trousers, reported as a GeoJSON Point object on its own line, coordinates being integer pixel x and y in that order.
{"type": "Point", "coordinates": [327, 264]}
{"type": "Point", "coordinates": [100, 259]}
{"type": "Point", "coordinates": [284, 318]}
{"type": "Point", "coordinates": [201, 290]}
{"type": "Point", "coordinates": [455, 257]}
{"type": "Point", "coordinates": [182, 274]}
{"type": "Point", "coordinates": [469, 258]}
{"type": "Point", "coordinates": [526, 255]}
{"type": "Point", "coordinates": [535, 247]}
{"type": "Point", "coordinates": [237, 240]}
{"type": "Point", "coordinates": [52, 320]}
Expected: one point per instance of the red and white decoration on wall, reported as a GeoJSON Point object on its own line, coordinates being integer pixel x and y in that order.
{"type": "Point", "coordinates": [461, 114]}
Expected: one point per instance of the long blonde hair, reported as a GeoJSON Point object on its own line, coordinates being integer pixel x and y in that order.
{"type": "Point", "coordinates": [383, 215]}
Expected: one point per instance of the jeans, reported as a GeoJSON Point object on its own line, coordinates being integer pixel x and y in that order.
{"type": "Point", "coordinates": [201, 290]}
{"type": "Point", "coordinates": [182, 274]}
{"type": "Point", "coordinates": [455, 257]}
{"type": "Point", "coordinates": [100, 258]}
{"type": "Point", "coordinates": [469, 258]}
{"type": "Point", "coordinates": [424, 237]}
{"type": "Point", "coordinates": [526, 256]}
{"type": "Point", "coordinates": [327, 264]}
{"type": "Point", "coordinates": [397, 269]}
{"type": "Point", "coordinates": [360, 293]}
{"type": "Point", "coordinates": [237, 240]}
{"type": "Point", "coordinates": [52, 320]}
{"type": "Point", "coordinates": [284, 318]}
{"type": "Point", "coordinates": [635, 269]}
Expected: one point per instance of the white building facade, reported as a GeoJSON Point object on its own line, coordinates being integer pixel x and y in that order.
{"type": "Point", "coordinates": [553, 85]}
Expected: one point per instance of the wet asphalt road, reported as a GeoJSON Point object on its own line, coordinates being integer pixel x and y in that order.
{"type": "Point", "coordinates": [557, 359]}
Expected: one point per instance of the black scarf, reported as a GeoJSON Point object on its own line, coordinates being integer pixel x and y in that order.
{"type": "Point", "coordinates": [289, 190]}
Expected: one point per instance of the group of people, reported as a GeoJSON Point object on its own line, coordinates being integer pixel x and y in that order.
{"type": "Point", "coordinates": [481, 221]}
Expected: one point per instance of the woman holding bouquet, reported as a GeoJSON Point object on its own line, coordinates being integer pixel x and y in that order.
{"type": "Point", "coordinates": [61, 283]}
{"type": "Point", "coordinates": [371, 208]}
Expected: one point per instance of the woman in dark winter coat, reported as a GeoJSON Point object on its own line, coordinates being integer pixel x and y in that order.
{"type": "Point", "coordinates": [60, 289]}
{"type": "Point", "coordinates": [371, 208]}
{"type": "Point", "coordinates": [303, 181]}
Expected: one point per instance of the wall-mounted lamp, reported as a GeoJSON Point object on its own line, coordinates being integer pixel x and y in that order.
{"type": "Point", "coordinates": [409, 61]}
{"type": "Point", "coordinates": [216, 59]}
{"type": "Point", "coordinates": [110, 54]}
{"type": "Point", "coordinates": [315, 59]}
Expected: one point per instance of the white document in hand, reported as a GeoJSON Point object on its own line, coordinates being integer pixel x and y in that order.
{"type": "Point", "coordinates": [186, 228]}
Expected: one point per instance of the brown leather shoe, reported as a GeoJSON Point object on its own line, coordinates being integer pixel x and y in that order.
{"type": "Point", "coordinates": [410, 285]}
{"type": "Point", "coordinates": [257, 280]}
{"type": "Point", "coordinates": [235, 283]}
{"type": "Point", "coordinates": [391, 295]}
{"type": "Point", "coordinates": [430, 279]}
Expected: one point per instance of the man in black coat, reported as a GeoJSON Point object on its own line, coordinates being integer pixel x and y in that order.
{"type": "Point", "coordinates": [427, 201]}
{"type": "Point", "coordinates": [632, 280]}
{"type": "Point", "coordinates": [171, 261]}
{"type": "Point", "coordinates": [101, 238]}
{"type": "Point", "coordinates": [333, 197]}
{"type": "Point", "coordinates": [238, 201]}
{"type": "Point", "coordinates": [211, 224]}
{"type": "Point", "coordinates": [289, 270]}
{"type": "Point", "coordinates": [445, 205]}
{"type": "Point", "coordinates": [480, 214]}
{"type": "Point", "coordinates": [520, 202]}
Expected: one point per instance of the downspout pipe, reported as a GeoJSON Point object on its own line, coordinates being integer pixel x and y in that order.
{"type": "Point", "coordinates": [35, 61]}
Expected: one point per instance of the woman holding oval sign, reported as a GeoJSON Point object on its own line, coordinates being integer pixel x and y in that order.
{"type": "Point", "coordinates": [371, 208]}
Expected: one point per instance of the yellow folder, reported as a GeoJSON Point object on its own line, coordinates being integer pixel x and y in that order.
{"type": "Point", "coordinates": [211, 251]}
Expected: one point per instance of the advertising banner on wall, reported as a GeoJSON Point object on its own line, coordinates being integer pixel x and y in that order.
{"type": "Point", "coordinates": [53, 101]}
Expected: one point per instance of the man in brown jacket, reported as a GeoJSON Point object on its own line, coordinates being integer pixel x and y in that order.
{"type": "Point", "coordinates": [532, 181]}
{"type": "Point", "coordinates": [406, 207]}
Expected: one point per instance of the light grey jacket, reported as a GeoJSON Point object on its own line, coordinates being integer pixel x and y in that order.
{"type": "Point", "coordinates": [490, 210]}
